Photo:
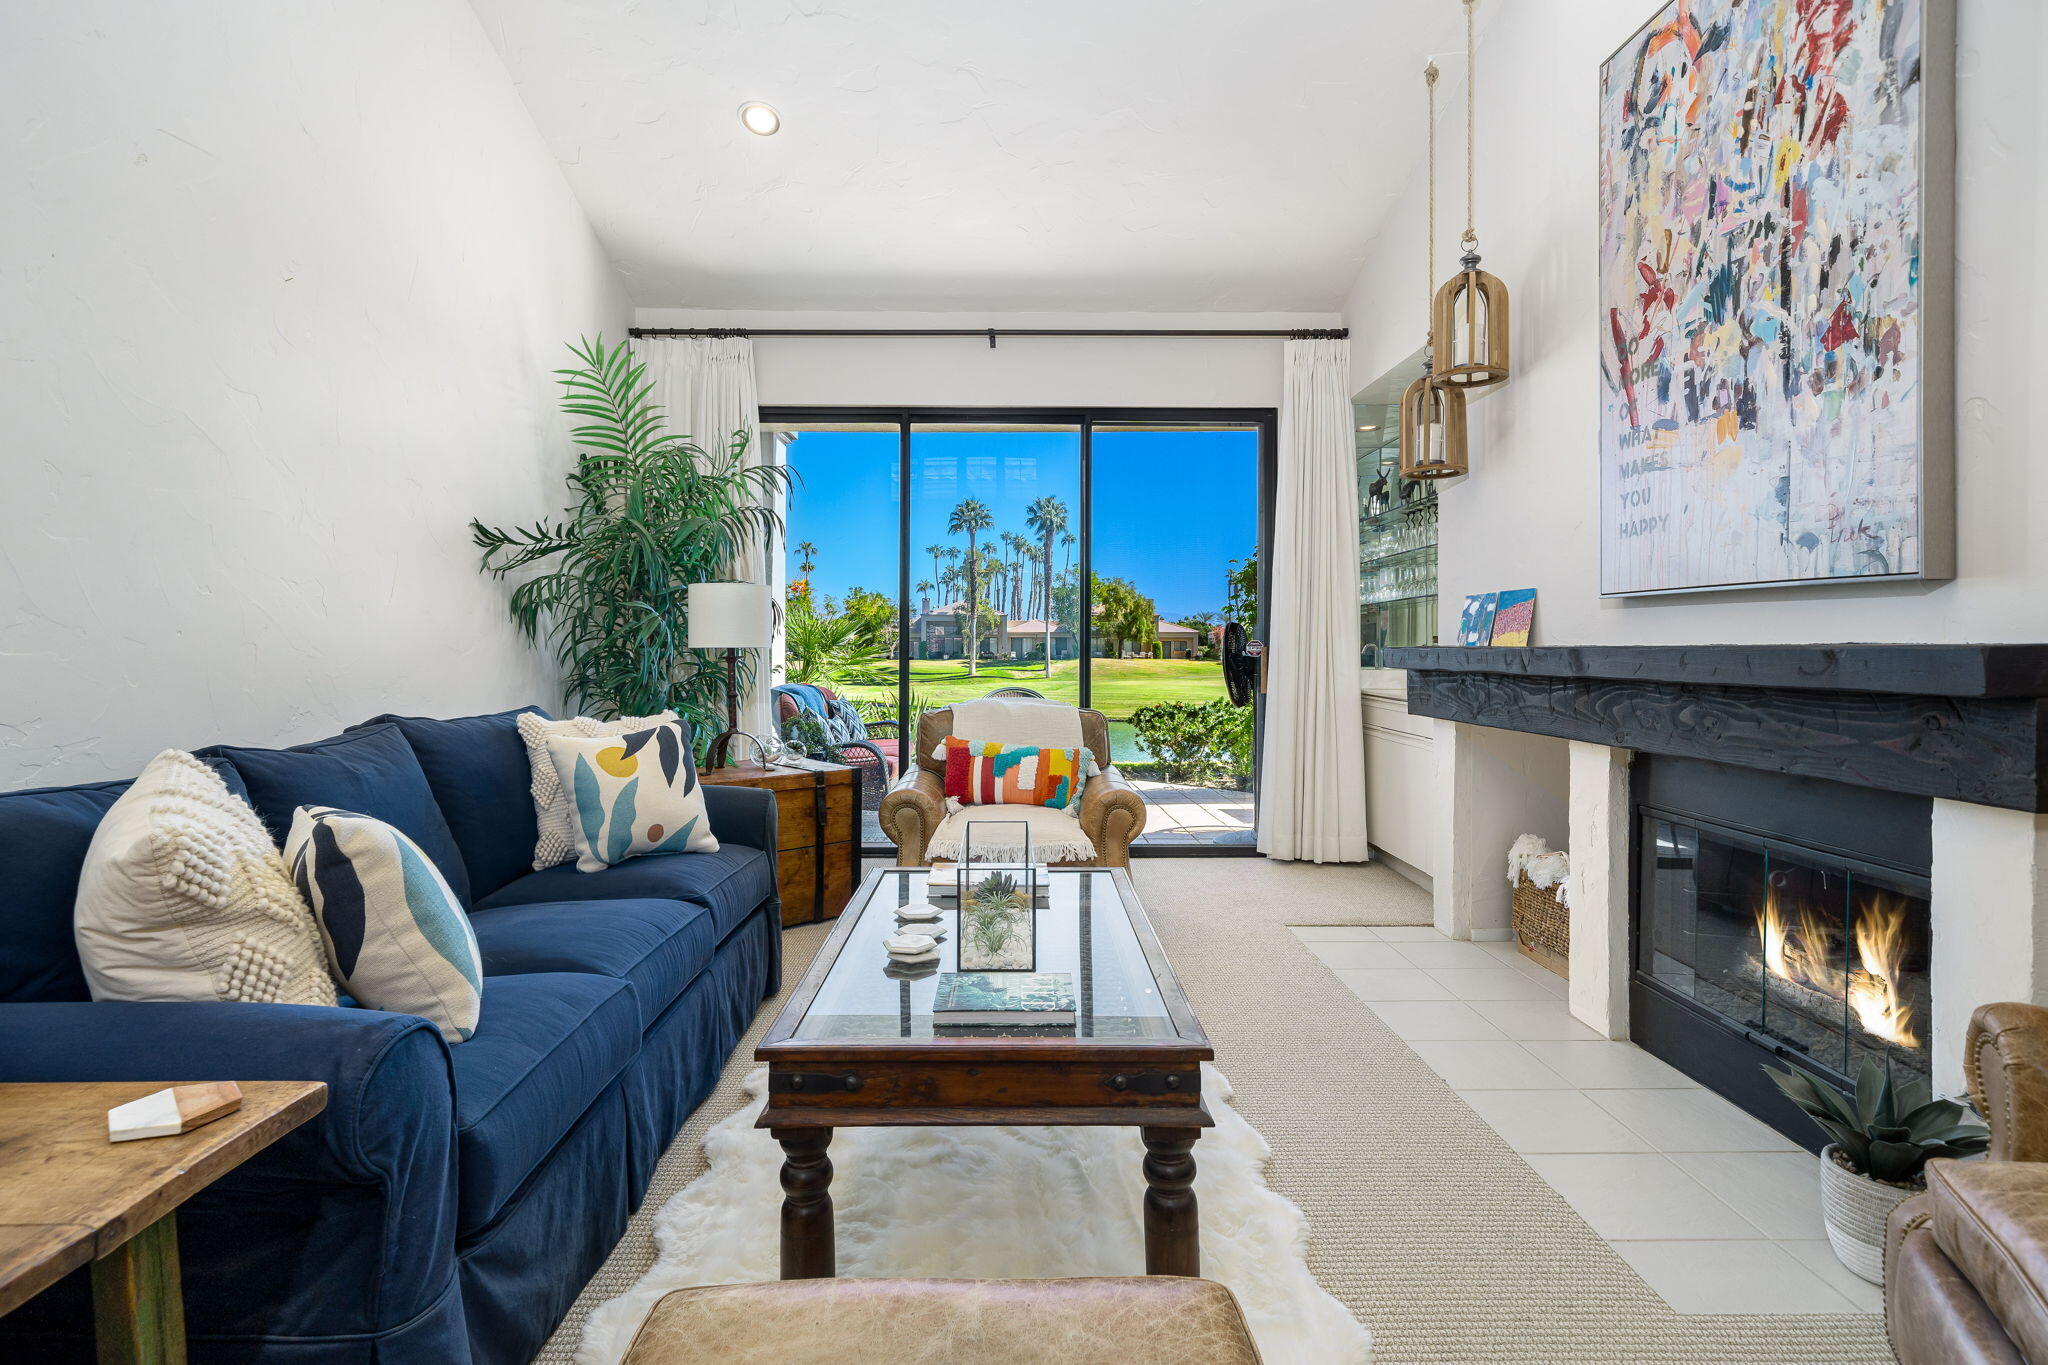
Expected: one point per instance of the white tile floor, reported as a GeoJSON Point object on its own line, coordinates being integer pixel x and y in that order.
{"type": "Point", "coordinates": [1715, 1211]}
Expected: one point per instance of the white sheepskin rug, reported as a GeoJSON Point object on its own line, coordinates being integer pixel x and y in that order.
{"type": "Point", "coordinates": [985, 1203]}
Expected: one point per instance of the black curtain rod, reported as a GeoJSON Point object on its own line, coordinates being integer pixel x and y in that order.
{"type": "Point", "coordinates": [1294, 334]}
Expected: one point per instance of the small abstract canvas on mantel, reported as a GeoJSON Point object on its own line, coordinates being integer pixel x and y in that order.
{"type": "Point", "coordinates": [1475, 627]}
{"type": "Point", "coordinates": [1514, 614]}
{"type": "Point", "coordinates": [1776, 329]}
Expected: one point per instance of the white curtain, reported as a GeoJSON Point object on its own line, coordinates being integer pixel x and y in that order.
{"type": "Point", "coordinates": [1312, 778]}
{"type": "Point", "coordinates": [705, 385]}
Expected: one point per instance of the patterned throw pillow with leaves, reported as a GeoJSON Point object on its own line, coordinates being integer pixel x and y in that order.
{"type": "Point", "coordinates": [632, 794]}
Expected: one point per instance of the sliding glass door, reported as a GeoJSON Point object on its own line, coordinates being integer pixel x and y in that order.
{"type": "Point", "coordinates": [1091, 558]}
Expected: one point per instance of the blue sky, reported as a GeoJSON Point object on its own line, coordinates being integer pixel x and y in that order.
{"type": "Point", "coordinates": [1172, 508]}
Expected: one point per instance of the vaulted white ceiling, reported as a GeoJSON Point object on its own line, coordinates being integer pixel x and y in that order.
{"type": "Point", "coordinates": [1092, 155]}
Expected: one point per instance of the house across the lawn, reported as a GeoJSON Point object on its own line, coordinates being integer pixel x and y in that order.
{"type": "Point", "coordinates": [941, 633]}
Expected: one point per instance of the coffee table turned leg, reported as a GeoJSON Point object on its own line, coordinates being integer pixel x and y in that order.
{"type": "Point", "coordinates": [807, 1251]}
{"type": "Point", "coordinates": [1173, 1233]}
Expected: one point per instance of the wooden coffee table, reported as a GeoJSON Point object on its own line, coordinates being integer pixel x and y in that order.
{"type": "Point", "coordinates": [855, 1047]}
{"type": "Point", "coordinates": [68, 1196]}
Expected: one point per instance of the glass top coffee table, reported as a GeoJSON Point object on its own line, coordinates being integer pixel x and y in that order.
{"type": "Point", "coordinates": [856, 1047]}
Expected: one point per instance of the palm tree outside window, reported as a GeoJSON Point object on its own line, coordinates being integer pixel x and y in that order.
{"type": "Point", "coordinates": [970, 518]}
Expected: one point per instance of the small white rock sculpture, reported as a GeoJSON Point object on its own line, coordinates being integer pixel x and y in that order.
{"type": "Point", "coordinates": [909, 947]}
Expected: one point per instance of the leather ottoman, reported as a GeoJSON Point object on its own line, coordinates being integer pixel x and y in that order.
{"type": "Point", "coordinates": [1162, 1320]}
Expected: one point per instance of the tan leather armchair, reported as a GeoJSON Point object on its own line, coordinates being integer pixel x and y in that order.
{"type": "Point", "coordinates": [1112, 813]}
{"type": "Point", "coordinates": [1966, 1264]}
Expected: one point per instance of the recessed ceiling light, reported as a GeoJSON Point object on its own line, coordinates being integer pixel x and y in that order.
{"type": "Point", "coordinates": [760, 118]}
{"type": "Point", "coordinates": [1373, 427]}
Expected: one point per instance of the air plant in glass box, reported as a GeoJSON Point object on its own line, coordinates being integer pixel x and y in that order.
{"type": "Point", "coordinates": [998, 898]}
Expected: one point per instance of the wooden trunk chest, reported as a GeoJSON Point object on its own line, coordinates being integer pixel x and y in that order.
{"type": "Point", "coordinates": [817, 818]}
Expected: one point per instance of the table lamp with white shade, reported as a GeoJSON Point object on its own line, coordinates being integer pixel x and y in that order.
{"type": "Point", "coordinates": [731, 617]}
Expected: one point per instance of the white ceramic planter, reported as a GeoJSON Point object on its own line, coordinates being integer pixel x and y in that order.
{"type": "Point", "coordinates": [1855, 1208]}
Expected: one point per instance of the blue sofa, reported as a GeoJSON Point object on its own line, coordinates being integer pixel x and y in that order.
{"type": "Point", "coordinates": [451, 1201]}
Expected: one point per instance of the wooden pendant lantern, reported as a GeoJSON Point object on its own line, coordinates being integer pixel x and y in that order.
{"type": "Point", "coordinates": [1469, 318]}
{"type": "Point", "coordinates": [1432, 430]}
{"type": "Point", "coordinates": [1470, 324]}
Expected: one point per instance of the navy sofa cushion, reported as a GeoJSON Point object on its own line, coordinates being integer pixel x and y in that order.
{"type": "Point", "coordinates": [658, 947]}
{"type": "Point", "coordinates": [44, 833]}
{"type": "Point", "coordinates": [545, 1048]}
{"type": "Point", "coordinates": [371, 771]}
{"type": "Point", "coordinates": [43, 837]}
{"type": "Point", "coordinates": [483, 782]}
{"type": "Point", "coordinates": [731, 882]}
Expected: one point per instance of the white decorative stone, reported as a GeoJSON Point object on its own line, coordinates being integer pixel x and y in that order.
{"type": "Point", "coordinates": [909, 947]}
{"type": "Point", "coordinates": [151, 1116]}
{"type": "Point", "coordinates": [923, 912]}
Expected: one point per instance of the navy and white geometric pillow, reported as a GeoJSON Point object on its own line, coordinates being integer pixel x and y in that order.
{"type": "Point", "coordinates": [395, 935]}
{"type": "Point", "coordinates": [632, 794]}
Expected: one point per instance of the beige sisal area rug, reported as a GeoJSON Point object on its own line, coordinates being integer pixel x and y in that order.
{"type": "Point", "coordinates": [1421, 1220]}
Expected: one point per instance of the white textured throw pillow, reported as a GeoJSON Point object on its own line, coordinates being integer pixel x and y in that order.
{"type": "Point", "coordinates": [184, 897]}
{"type": "Point", "coordinates": [395, 934]}
{"type": "Point", "coordinates": [633, 794]}
{"type": "Point", "coordinates": [550, 802]}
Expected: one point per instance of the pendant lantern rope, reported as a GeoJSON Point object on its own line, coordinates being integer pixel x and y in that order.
{"type": "Point", "coordinates": [1429, 75]}
{"type": "Point", "coordinates": [1432, 413]}
{"type": "Point", "coordinates": [1471, 125]}
{"type": "Point", "coordinates": [1469, 319]}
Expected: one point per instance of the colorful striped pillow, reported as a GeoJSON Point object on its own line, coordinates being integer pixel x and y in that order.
{"type": "Point", "coordinates": [992, 774]}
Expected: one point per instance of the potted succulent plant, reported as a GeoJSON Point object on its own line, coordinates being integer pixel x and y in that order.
{"type": "Point", "coordinates": [1884, 1135]}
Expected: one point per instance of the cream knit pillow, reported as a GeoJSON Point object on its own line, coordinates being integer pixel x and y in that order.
{"type": "Point", "coordinates": [184, 897]}
{"type": "Point", "coordinates": [557, 843]}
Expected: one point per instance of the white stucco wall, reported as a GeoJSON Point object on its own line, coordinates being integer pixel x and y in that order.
{"type": "Point", "coordinates": [1021, 371]}
{"type": "Point", "coordinates": [281, 288]}
{"type": "Point", "coordinates": [1526, 515]}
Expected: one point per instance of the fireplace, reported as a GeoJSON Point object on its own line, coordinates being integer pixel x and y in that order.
{"type": "Point", "coordinates": [1890, 795]}
{"type": "Point", "coordinates": [1778, 919]}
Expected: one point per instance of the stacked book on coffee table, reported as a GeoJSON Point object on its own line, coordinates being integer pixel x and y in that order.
{"type": "Point", "coordinates": [1004, 1000]}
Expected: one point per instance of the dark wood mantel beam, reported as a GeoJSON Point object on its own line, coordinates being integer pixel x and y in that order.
{"type": "Point", "coordinates": [1974, 728]}
{"type": "Point", "coordinates": [1921, 670]}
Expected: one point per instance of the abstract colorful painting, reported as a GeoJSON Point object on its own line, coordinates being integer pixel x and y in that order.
{"type": "Point", "coordinates": [1774, 325]}
{"type": "Point", "coordinates": [1514, 617]}
{"type": "Point", "coordinates": [1475, 627]}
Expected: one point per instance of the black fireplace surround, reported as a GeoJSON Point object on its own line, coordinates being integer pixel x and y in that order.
{"type": "Point", "coordinates": [1781, 800]}
{"type": "Point", "coordinates": [1777, 919]}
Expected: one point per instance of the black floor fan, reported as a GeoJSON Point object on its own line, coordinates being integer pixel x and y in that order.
{"type": "Point", "coordinates": [1243, 664]}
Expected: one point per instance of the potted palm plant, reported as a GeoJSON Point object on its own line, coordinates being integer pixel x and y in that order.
{"type": "Point", "coordinates": [1883, 1137]}
{"type": "Point", "coordinates": [652, 512]}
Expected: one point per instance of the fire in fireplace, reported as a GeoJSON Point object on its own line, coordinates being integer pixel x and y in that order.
{"type": "Point", "coordinates": [1800, 955]}
{"type": "Point", "coordinates": [1779, 919]}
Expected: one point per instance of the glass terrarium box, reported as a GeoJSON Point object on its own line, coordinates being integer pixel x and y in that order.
{"type": "Point", "coordinates": [997, 884]}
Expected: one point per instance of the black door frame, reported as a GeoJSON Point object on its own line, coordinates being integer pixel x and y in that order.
{"type": "Point", "coordinates": [1084, 420]}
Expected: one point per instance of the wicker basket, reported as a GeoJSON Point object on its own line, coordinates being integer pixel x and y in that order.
{"type": "Point", "coordinates": [1543, 925]}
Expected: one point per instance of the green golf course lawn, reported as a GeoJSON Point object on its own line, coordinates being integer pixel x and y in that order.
{"type": "Point", "coordinates": [1119, 687]}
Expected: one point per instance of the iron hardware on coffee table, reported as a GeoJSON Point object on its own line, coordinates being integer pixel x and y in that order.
{"type": "Point", "coordinates": [856, 1047]}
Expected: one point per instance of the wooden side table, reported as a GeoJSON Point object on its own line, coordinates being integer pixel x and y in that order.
{"type": "Point", "coordinates": [817, 819]}
{"type": "Point", "coordinates": [68, 1196]}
